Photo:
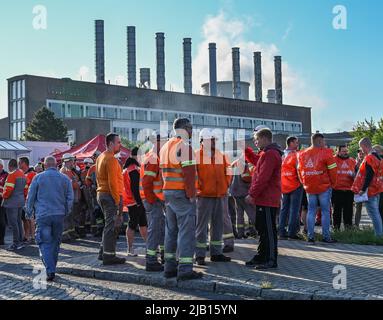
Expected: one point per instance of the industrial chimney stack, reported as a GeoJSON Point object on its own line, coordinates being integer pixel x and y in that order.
{"type": "Point", "coordinates": [236, 74]}
{"type": "Point", "coordinates": [258, 76]}
{"type": "Point", "coordinates": [213, 69]}
{"type": "Point", "coordinates": [160, 41]}
{"type": "Point", "coordinates": [131, 41]}
{"type": "Point", "coordinates": [100, 51]}
{"type": "Point", "coordinates": [188, 83]}
{"type": "Point", "coordinates": [278, 80]}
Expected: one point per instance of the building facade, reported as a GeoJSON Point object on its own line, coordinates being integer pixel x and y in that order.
{"type": "Point", "coordinates": [96, 108]}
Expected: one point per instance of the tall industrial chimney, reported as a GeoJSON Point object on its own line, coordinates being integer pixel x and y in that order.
{"type": "Point", "coordinates": [131, 40]}
{"type": "Point", "coordinates": [188, 83]}
{"type": "Point", "coordinates": [160, 40]}
{"type": "Point", "coordinates": [213, 69]}
{"type": "Point", "coordinates": [258, 76]}
{"type": "Point", "coordinates": [278, 79]}
{"type": "Point", "coordinates": [236, 74]}
{"type": "Point", "coordinates": [100, 52]}
{"type": "Point", "coordinates": [145, 78]}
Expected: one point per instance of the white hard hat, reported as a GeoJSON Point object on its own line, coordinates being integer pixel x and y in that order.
{"type": "Point", "coordinates": [68, 157]}
{"type": "Point", "coordinates": [96, 153]}
{"type": "Point", "coordinates": [88, 161]}
{"type": "Point", "coordinates": [260, 127]}
{"type": "Point", "coordinates": [206, 134]}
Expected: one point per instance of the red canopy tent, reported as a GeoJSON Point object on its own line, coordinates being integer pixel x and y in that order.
{"type": "Point", "coordinates": [87, 150]}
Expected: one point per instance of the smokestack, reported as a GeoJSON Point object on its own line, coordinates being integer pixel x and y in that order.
{"type": "Point", "coordinates": [188, 84]}
{"type": "Point", "coordinates": [131, 40]}
{"type": "Point", "coordinates": [236, 74]}
{"type": "Point", "coordinates": [271, 96]}
{"type": "Point", "coordinates": [100, 52]}
{"type": "Point", "coordinates": [278, 79]}
{"type": "Point", "coordinates": [213, 69]}
{"type": "Point", "coordinates": [258, 76]}
{"type": "Point", "coordinates": [160, 40]}
{"type": "Point", "coordinates": [145, 78]}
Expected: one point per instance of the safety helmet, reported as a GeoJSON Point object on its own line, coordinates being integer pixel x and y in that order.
{"type": "Point", "coordinates": [68, 157]}
{"type": "Point", "coordinates": [88, 161]}
{"type": "Point", "coordinates": [97, 153]}
{"type": "Point", "coordinates": [261, 127]}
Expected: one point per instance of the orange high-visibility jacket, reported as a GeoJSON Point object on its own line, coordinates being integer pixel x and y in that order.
{"type": "Point", "coordinates": [214, 174]}
{"type": "Point", "coordinates": [376, 186]}
{"type": "Point", "coordinates": [90, 178]}
{"type": "Point", "coordinates": [29, 175]}
{"type": "Point", "coordinates": [289, 174]}
{"type": "Point", "coordinates": [14, 190]}
{"type": "Point", "coordinates": [75, 182]}
{"type": "Point", "coordinates": [345, 173]}
{"type": "Point", "coordinates": [178, 165]}
{"type": "Point", "coordinates": [151, 182]}
{"type": "Point", "coordinates": [109, 176]}
{"type": "Point", "coordinates": [317, 169]}
{"type": "Point", "coordinates": [128, 197]}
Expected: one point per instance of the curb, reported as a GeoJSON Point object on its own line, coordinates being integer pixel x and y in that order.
{"type": "Point", "coordinates": [251, 291]}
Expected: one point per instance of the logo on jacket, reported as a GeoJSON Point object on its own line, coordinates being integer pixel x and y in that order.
{"type": "Point", "coordinates": [344, 165]}
{"type": "Point", "coordinates": [310, 164]}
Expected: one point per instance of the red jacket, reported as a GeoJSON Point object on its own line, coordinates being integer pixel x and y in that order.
{"type": "Point", "coordinates": [290, 179]}
{"type": "Point", "coordinates": [266, 190]}
{"type": "Point", "coordinates": [345, 173]}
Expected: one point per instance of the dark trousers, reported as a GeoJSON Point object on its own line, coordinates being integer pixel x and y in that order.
{"type": "Point", "coordinates": [3, 224]}
{"type": "Point", "coordinates": [267, 229]}
{"type": "Point", "coordinates": [233, 213]}
{"type": "Point", "coordinates": [343, 202]}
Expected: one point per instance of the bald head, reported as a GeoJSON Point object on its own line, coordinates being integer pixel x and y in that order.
{"type": "Point", "coordinates": [50, 162]}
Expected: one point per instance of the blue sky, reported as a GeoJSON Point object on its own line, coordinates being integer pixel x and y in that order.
{"type": "Point", "coordinates": [336, 72]}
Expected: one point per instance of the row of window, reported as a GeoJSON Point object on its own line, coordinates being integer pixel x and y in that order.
{"type": "Point", "coordinates": [17, 130]}
{"type": "Point", "coordinates": [18, 110]}
{"type": "Point", "coordinates": [18, 90]}
{"type": "Point", "coordinates": [63, 110]}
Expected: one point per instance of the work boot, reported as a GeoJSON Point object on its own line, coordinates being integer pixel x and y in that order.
{"type": "Point", "coordinates": [220, 258]}
{"type": "Point", "coordinates": [112, 260]}
{"type": "Point", "coordinates": [257, 260]}
{"type": "Point", "coordinates": [227, 249]}
{"type": "Point", "coordinates": [156, 267]}
{"type": "Point", "coordinates": [266, 266]}
{"type": "Point", "coordinates": [200, 261]}
{"type": "Point", "coordinates": [51, 277]}
{"type": "Point", "coordinates": [190, 276]}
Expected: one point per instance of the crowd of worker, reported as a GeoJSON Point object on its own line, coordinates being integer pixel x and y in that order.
{"type": "Point", "coordinates": [187, 202]}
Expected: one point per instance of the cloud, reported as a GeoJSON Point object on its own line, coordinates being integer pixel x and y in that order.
{"type": "Point", "coordinates": [287, 32]}
{"type": "Point", "coordinates": [230, 32]}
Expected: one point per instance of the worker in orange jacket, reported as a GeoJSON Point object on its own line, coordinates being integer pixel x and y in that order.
{"type": "Point", "coordinates": [29, 225]}
{"type": "Point", "coordinates": [14, 195]}
{"type": "Point", "coordinates": [152, 195]}
{"type": "Point", "coordinates": [292, 192]}
{"type": "Point", "coordinates": [369, 179]}
{"type": "Point", "coordinates": [317, 171]}
{"type": "Point", "coordinates": [342, 196]}
{"type": "Point", "coordinates": [177, 161]}
{"type": "Point", "coordinates": [109, 184]}
{"type": "Point", "coordinates": [214, 177]}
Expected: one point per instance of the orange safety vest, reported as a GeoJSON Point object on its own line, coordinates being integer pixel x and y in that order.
{"type": "Point", "coordinates": [171, 165]}
{"type": "Point", "coordinates": [151, 167]}
{"type": "Point", "coordinates": [29, 176]}
{"type": "Point", "coordinates": [345, 173]}
{"type": "Point", "coordinates": [289, 173]}
{"type": "Point", "coordinates": [128, 198]}
{"type": "Point", "coordinates": [376, 186]}
{"type": "Point", "coordinates": [75, 182]}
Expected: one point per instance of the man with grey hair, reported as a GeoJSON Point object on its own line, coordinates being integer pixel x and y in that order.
{"type": "Point", "coordinates": [369, 179]}
{"type": "Point", "coordinates": [50, 198]}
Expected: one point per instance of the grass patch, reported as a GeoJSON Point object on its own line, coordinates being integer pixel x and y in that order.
{"type": "Point", "coordinates": [266, 285]}
{"type": "Point", "coordinates": [364, 236]}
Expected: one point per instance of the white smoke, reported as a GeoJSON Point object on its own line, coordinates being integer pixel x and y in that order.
{"type": "Point", "coordinates": [229, 33]}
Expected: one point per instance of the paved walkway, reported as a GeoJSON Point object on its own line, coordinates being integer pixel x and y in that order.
{"type": "Point", "coordinates": [305, 272]}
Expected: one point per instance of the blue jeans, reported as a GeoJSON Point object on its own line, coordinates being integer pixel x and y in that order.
{"type": "Point", "coordinates": [325, 203]}
{"type": "Point", "coordinates": [372, 206]}
{"type": "Point", "coordinates": [291, 204]}
{"type": "Point", "coordinates": [48, 237]}
{"type": "Point", "coordinates": [180, 230]}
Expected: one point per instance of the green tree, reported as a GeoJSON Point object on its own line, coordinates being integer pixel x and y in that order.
{"type": "Point", "coordinates": [378, 136]}
{"type": "Point", "coordinates": [46, 127]}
